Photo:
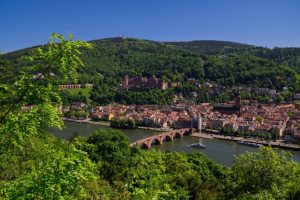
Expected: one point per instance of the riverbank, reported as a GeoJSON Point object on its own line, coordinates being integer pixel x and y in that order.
{"type": "Point", "coordinates": [87, 121]}
{"type": "Point", "coordinates": [104, 123]}
{"type": "Point", "coordinates": [277, 143]}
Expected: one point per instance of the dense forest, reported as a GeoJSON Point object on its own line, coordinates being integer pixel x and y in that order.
{"type": "Point", "coordinates": [224, 63]}
{"type": "Point", "coordinates": [211, 47]}
{"type": "Point", "coordinates": [35, 165]}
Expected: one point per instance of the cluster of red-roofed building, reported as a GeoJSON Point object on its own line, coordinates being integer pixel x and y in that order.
{"type": "Point", "coordinates": [283, 118]}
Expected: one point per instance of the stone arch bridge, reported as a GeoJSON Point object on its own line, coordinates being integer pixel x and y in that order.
{"type": "Point", "coordinates": [147, 142]}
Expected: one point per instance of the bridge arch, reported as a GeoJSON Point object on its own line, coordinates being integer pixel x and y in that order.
{"type": "Point", "coordinates": [156, 141]}
{"type": "Point", "coordinates": [168, 138]}
{"type": "Point", "coordinates": [144, 146]}
{"type": "Point", "coordinates": [186, 132]}
{"type": "Point", "coordinates": [177, 135]}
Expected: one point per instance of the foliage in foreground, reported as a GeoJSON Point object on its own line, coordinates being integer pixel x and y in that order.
{"type": "Point", "coordinates": [31, 167]}
{"type": "Point", "coordinates": [34, 165]}
{"type": "Point", "coordinates": [168, 175]}
{"type": "Point", "coordinates": [151, 174]}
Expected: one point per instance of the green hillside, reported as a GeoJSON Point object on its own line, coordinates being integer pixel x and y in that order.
{"type": "Point", "coordinates": [211, 47]}
{"type": "Point", "coordinates": [289, 56]}
{"type": "Point", "coordinates": [220, 62]}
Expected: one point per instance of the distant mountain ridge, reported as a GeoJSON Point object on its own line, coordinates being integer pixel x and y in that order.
{"type": "Point", "coordinates": [211, 47]}
{"type": "Point", "coordinates": [205, 47]}
{"type": "Point", "coordinates": [199, 46]}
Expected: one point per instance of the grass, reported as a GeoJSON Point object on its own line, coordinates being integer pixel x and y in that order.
{"type": "Point", "coordinates": [84, 91]}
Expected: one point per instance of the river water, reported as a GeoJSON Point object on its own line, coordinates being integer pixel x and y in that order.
{"type": "Point", "coordinates": [220, 151]}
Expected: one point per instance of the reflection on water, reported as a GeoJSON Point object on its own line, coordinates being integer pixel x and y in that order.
{"type": "Point", "coordinates": [218, 150]}
{"type": "Point", "coordinates": [87, 129]}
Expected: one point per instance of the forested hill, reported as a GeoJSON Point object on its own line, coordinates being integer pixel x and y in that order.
{"type": "Point", "coordinates": [211, 47]}
{"type": "Point", "coordinates": [226, 63]}
{"type": "Point", "coordinates": [289, 55]}
{"type": "Point", "coordinates": [112, 58]}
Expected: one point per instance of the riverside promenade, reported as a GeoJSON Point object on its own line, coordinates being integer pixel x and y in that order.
{"type": "Point", "coordinates": [277, 143]}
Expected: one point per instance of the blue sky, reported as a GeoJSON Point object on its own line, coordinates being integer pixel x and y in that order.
{"type": "Point", "coordinates": [270, 23]}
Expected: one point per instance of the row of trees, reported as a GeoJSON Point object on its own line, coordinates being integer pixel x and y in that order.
{"type": "Point", "coordinates": [264, 135]}
{"type": "Point", "coordinates": [123, 123]}
{"type": "Point", "coordinates": [105, 95]}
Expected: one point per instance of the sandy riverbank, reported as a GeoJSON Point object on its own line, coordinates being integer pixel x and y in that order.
{"type": "Point", "coordinates": [277, 143]}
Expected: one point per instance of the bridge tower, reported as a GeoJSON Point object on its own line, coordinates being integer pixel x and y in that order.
{"type": "Point", "coordinates": [199, 123]}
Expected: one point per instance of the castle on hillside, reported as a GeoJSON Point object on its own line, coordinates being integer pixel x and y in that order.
{"type": "Point", "coordinates": [144, 83]}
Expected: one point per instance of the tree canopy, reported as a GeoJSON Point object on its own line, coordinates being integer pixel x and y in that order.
{"type": "Point", "coordinates": [230, 64]}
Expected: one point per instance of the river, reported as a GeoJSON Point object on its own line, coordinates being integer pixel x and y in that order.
{"type": "Point", "coordinates": [220, 151]}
